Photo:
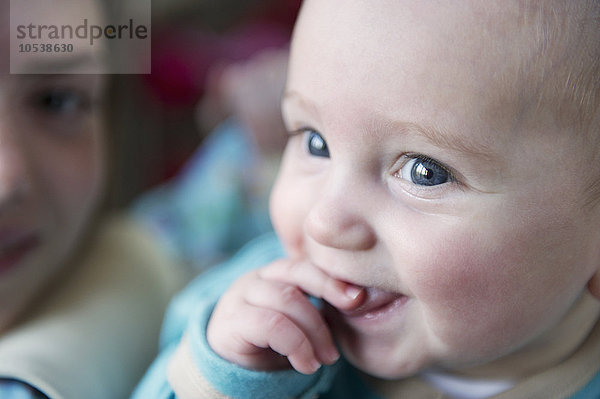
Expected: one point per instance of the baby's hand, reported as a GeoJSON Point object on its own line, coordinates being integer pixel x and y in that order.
{"type": "Point", "coordinates": [265, 320]}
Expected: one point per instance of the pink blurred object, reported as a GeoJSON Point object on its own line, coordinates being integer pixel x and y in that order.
{"type": "Point", "coordinates": [183, 56]}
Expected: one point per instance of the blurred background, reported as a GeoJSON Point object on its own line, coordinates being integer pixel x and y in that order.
{"type": "Point", "coordinates": [196, 144]}
{"type": "Point", "coordinates": [160, 120]}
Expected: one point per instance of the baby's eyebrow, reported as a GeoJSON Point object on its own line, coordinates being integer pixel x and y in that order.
{"type": "Point", "coordinates": [446, 139]}
{"type": "Point", "coordinates": [292, 96]}
{"type": "Point", "coordinates": [436, 136]}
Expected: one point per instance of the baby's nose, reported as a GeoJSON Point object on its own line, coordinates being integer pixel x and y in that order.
{"type": "Point", "coordinates": [333, 222]}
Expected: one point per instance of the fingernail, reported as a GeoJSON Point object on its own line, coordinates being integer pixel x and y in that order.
{"type": "Point", "coordinates": [352, 291]}
{"type": "Point", "coordinates": [332, 355]}
{"type": "Point", "coordinates": [315, 365]}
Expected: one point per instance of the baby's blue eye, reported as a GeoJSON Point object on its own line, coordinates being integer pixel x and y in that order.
{"type": "Point", "coordinates": [423, 171]}
{"type": "Point", "coordinates": [316, 144]}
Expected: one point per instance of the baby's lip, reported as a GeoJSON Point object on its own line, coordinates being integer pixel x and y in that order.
{"type": "Point", "coordinates": [376, 299]}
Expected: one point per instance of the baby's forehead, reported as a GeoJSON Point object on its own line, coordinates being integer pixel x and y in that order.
{"type": "Point", "coordinates": [532, 54]}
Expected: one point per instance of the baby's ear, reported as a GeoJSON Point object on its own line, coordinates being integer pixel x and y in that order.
{"type": "Point", "coordinates": [594, 285]}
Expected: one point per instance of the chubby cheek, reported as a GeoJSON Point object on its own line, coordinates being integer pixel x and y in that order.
{"type": "Point", "coordinates": [288, 206]}
{"type": "Point", "coordinates": [488, 291]}
{"type": "Point", "coordinates": [463, 291]}
{"type": "Point", "coordinates": [286, 223]}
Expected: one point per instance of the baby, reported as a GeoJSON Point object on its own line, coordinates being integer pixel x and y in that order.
{"type": "Point", "coordinates": [439, 192]}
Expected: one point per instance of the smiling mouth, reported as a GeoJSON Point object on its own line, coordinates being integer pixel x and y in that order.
{"type": "Point", "coordinates": [15, 249]}
{"type": "Point", "coordinates": [376, 304]}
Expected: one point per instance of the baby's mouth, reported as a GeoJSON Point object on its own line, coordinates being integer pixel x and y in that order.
{"type": "Point", "coordinates": [376, 303]}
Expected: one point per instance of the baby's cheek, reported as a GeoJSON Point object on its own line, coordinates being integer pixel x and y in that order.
{"type": "Point", "coordinates": [287, 215]}
{"type": "Point", "coordinates": [471, 294]}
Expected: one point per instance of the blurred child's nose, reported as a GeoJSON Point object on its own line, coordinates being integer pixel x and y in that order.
{"type": "Point", "coordinates": [13, 176]}
{"type": "Point", "coordinates": [335, 220]}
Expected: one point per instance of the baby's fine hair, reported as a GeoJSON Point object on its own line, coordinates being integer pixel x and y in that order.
{"type": "Point", "coordinates": [568, 39]}
{"type": "Point", "coordinates": [562, 72]}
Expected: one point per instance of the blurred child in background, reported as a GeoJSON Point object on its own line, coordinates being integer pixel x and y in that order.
{"type": "Point", "coordinates": [81, 293]}
{"type": "Point", "coordinates": [218, 201]}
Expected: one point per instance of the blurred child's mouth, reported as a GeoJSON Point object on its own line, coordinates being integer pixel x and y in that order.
{"type": "Point", "coordinates": [377, 303]}
{"type": "Point", "coordinates": [14, 248]}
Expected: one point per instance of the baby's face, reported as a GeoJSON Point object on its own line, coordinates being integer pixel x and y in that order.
{"type": "Point", "coordinates": [411, 174]}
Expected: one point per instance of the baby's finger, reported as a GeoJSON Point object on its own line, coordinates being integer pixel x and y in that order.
{"type": "Point", "coordinates": [285, 337]}
{"type": "Point", "coordinates": [252, 338]}
{"type": "Point", "coordinates": [316, 282]}
{"type": "Point", "coordinates": [290, 301]}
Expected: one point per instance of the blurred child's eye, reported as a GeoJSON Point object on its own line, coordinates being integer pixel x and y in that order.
{"type": "Point", "coordinates": [63, 109]}
{"type": "Point", "coordinates": [61, 101]}
{"type": "Point", "coordinates": [424, 171]}
{"type": "Point", "coordinates": [316, 144]}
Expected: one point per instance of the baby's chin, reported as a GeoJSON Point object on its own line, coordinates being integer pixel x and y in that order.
{"type": "Point", "coordinates": [386, 366]}
{"type": "Point", "coordinates": [392, 357]}
{"type": "Point", "coordinates": [374, 357]}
